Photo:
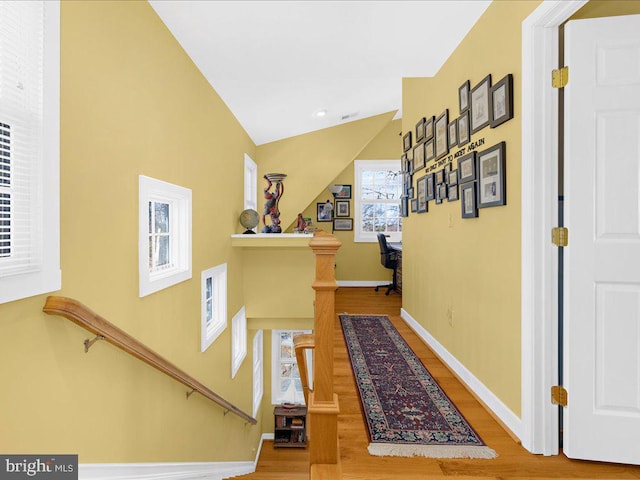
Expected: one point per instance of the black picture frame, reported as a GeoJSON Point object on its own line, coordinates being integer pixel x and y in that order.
{"type": "Point", "coordinates": [452, 177]}
{"type": "Point", "coordinates": [428, 127]}
{"type": "Point", "coordinates": [322, 215]}
{"type": "Point", "coordinates": [420, 129]}
{"type": "Point", "coordinates": [414, 205]}
{"type": "Point", "coordinates": [344, 193]}
{"type": "Point", "coordinates": [406, 142]}
{"type": "Point", "coordinates": [452, 193]}
{"type": "Point", "coordinates": [467, 167]}
{"type": "Point", "coordinates": [343, 224]}
{"type": "Point", "coordinates": [342, 208]}
{"type": "Point", "coordinates": [441, 192]}
{"type": "Point", "coordinates": [404, 206]}
{"type": "Point", "coordinates": [404, 162]}
{"type": "Point", "coordinates": [492, 185]}
{"type": "Point", "coordinates": [464, 129]}
{"type": "Point", "coordinates": [439, 177]}
{"type": "Point", "coordinates": [442, 134]}
{"type": "Point", "coordinates": [421, 194]}
{"type": "Point", "coordinates": [411, 192]}
{"type": "Point", "coordinates": [502, 101]}
{"type": "Point", "coordinates": [463, 96]}
{"type": "Point", "coordinates": [469, 202]}
{"type": "Point", "coordinates": [453, 134]}
{"type": "Point", "coordinates": [429, 150]}
{"type": "Point", "coordinates": [430, 188]}
{"type": "Point", "coordinates": [418, 158]}
{"type": "Point", "coordinates": [480, 107]}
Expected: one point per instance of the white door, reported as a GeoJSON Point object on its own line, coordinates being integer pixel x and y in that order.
{"type": "Point", "coordinates": [602, 212]}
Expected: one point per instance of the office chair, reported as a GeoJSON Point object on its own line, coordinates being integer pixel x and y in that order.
{"type": "Point", "coordinates": [388, 259]}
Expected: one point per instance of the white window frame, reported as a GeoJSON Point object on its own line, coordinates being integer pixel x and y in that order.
{"type": "Point", "coordinates": [179, 199]}
{"type": "Point", "coordinates": [238, 340]}
{"type": "Point", "coordinates": [359, 167]}
{"type": "Point", "coordinates": [211, 330]}
{"type": "Point", "coordinates": [44, 275]}
{"type": "Point", "coordinates": [250, 183]}
{"type": "Point", "coordinates": [258, 374]}
{"type": "Point", "coordinates": [276, 361]}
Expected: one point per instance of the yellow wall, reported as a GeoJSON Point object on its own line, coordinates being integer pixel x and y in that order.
{"type": "Point", "coordinates": [132, 103]}
{"type": "Point", "coordinates": [607, 8]}
{"type": "Point", "coordinates": [311, 161]}
{"type": "Point", "coordinates": [360, 261]}
{"type": "Point", "coordinates": [461, 277]}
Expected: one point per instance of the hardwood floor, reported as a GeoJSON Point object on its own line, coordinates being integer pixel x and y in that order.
{"type": "Point", "coordinates": [513, 462]}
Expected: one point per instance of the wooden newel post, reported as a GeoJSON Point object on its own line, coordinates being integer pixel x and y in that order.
{"type": "Point", "coordinates": [323, 402]}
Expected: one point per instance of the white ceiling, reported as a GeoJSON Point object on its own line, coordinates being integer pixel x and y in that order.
{"type": "Point", "coordinates": [276, 63]}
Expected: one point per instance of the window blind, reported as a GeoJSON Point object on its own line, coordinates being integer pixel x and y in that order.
{"type": "Point", "coordinates": [21, 135]}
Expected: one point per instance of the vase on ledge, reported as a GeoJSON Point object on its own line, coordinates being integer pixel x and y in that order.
{"type": "Point", "coordinates": [272, 200]}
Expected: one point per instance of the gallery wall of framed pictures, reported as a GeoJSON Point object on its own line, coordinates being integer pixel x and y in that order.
{"type": "Point", "coordinates": [446, 161]}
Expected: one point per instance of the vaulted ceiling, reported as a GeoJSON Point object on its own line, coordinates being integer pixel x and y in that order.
{"type": "Point", "coordinates": [289, 67]}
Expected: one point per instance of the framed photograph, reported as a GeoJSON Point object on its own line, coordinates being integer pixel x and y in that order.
{"type": "Point", "coordinates": [453, 134]}
{"type": "Point", "coordinates": [344, 193]}
{"type": "Point", "coordinates": [430, 188]}
{"type": "Point", "coordinates": [429, 150]}
{"type": "Point", "coordinates": [502, 101]}
{"type": "Point", "coordinates": [406, 142]}
{"type": "Point", "coordinates": [421, 187]}
{"type": "Point", "coordinates": [414, 205]}
{"type": "Point", "coordinates": [452, 193]}
{"type": "Point", "coordinates": [452, 177]}
{"type": "Point", "coordinates": [467, 168]}
{"type": "Point", "coordinates": [324, 212]}
{"type": "Point", "coordinates": [343, 224]}
{"type": "Point", "coordinates": [404, 206]}
{"type": "Point", "coordinates": [342, 208]}
{"type": "Point", "coordinates": [411, 192]}
{"type": "Point", "coordinates": [441, 192]}
{"type": "Point", "coordinates": [442, 134]}
{"type": "Point", "coordinates": [420, 129]}
{"type": "Point", "coordinates": [481, 105]}
{"type": "Point", "coordinates": [439, 177]}
{"type": "Point", "coordinates": [468, 197]}
{"type": "Point", "coordinates": [418, 157]}
{"type": "Point", "coordinates": [404, 161]}
{"type": "Point", "coordinates": [428, 127]}
{"type": "Point", "coordinates": [447, 169]}
{"type": "Point", "coordinates": [491, 176]}
{"type": "Point", "coordinates": [463, 96]}
{"type": "Point", "coordinates": [464, 129]}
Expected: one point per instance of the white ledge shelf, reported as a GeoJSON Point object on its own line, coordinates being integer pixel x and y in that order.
{"type": "Point", "coordinates": [272, 240]}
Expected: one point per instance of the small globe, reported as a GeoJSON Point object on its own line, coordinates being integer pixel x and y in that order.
{"type": "Point", "coordinates": [249, 219]}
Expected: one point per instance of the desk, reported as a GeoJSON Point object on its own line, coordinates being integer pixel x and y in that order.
{"type": "Point", "coordinates": [398, 248]}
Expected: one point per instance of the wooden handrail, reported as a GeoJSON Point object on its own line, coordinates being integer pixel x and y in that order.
{"type": "Point", "coordinates": [300, 344]}
{"type": "Point", "coordinates": [89, 320]}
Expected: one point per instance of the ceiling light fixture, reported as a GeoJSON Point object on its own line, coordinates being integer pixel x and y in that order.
{"type": "Point", "coordinates": [320, 113]}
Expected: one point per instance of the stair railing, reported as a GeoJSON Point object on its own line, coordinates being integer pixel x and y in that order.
{"type": "Point", "coordinates": [104, 330]}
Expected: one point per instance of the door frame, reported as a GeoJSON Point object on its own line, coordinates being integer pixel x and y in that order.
{"type": "Point", "coordinates": [539, 277]}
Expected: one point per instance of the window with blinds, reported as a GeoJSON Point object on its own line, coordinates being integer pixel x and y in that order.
{"type": "Point", "coordinates": [5, 190]}
{"type": "Point", "coordinates": [29, 148]}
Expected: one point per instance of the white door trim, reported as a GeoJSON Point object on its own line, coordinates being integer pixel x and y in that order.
{"type": "Point", "coordinates": [539, 215]}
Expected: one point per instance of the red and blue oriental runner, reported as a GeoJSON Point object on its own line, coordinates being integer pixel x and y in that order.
{"type": "Point", "coordinates": [405, 410]}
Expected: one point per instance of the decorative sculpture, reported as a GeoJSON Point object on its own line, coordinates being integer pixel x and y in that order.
{"type": "Point", "coordinates": [272, 201]}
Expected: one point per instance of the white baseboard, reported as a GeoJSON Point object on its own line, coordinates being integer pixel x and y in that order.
{"type": "Point", "coordinates": [361, 283]}
{"type": "Point", "coordinates": [170, 471]}
{"type": "Point", "coordinates": [510, 420]}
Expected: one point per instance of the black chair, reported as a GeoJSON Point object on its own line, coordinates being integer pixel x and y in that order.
{"type": "Point", "coordinates": [388, 259]}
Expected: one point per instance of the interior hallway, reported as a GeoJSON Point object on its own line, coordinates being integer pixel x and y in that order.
{"type": "Point", "coordinates": [513, 462]}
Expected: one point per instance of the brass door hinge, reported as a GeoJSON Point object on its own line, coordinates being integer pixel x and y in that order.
{"type": "Point", "coordinates": [560, 77]}
{"type": "Point", "coordinates": [560, 236]}
{"type": "Point", "coordinates": [559, 396]}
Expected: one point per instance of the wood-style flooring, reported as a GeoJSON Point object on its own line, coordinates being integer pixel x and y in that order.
{"type": "Point", "coordinates": [513, 462]}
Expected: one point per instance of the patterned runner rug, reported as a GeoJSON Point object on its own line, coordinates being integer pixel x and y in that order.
{"type": "Point", "coordinates": [406, 411]}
